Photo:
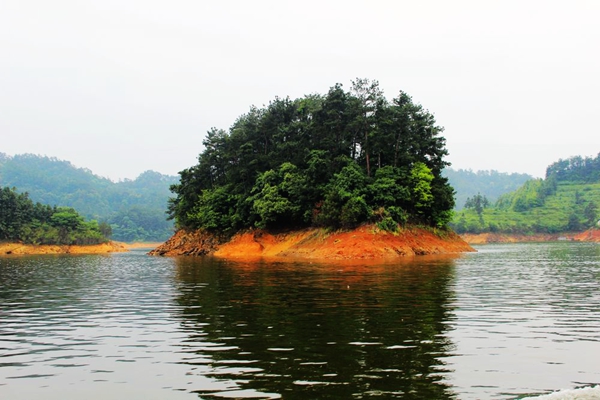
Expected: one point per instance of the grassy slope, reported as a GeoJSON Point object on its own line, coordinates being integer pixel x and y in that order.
{"type": "Point", "coordinates": [551, 217]}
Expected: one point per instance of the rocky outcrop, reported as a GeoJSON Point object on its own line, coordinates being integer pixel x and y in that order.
{"type": "Point", "coordinates": [365, 242]}
{"type": "Point", "coordinates": [188, 243]}
{"type": "Point", "coordinates": [22, 249]}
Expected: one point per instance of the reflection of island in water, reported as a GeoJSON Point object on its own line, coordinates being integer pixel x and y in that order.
{"type": "Point", "coordinates": [312, 331]}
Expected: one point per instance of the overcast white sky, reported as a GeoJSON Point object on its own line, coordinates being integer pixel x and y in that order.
{"type": "Point", "coordinates": [123, 86]}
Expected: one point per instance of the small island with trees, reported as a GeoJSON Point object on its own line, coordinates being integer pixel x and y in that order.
{"type": "Point", "coordinates": [32, 228]}
{"type": "Point", "coordinates": [307, 171]}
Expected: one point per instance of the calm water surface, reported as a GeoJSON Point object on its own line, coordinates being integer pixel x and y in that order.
{"type": "Point", "coordinates": [507, 321]}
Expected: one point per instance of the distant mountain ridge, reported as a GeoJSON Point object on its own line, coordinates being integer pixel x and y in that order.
{"type": "Point", "coordinates": [135, 209]}
{"type": "Point", "coordinates": [489, 183]}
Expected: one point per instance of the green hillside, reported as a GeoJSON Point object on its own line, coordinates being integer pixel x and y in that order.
{"type": "Point", "coordinates": [567, 200]}
{"type": "Point", "coordinates": [491, 184]}
{"type": "Point", "coordinates": [134, 209]}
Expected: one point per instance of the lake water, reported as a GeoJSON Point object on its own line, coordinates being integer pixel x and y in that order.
{"type": "Point", "coordinates": [507, 321]}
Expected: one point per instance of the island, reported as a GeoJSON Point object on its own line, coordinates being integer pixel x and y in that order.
{"type": "Point", "coordinates": [348, 174]}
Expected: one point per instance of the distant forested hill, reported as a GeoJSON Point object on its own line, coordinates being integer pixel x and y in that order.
{"type": "Point", "coordinates": [491, 184]}
{"type": "Point", "coordinates": [567, 200]}
{"type": "Point", "coordinates": [135, 209]}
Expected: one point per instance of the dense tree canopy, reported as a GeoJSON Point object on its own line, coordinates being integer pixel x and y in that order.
{"type": "Point", "coordinates": [575, 169]}
{"type": "Point", "coordinates": [22, 220]}
{"type": "Point", "coordinates": [335, 160]}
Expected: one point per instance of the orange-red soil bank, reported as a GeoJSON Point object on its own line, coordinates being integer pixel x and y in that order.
{"type": "Point", "coordinates": [591, 235]}
{"type": "Point", "coordinates": [21, 249]}
{"type": "Point", "coordinates": [483, 238]}
{"type": "Point", "coordinates": [366, 242]}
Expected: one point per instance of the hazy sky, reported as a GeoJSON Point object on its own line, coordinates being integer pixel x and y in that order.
{"type": "Point", "coordinates": [123, 86]}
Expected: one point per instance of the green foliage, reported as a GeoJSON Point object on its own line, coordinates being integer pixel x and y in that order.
{"type": "Point", "coordinates": [478, 203]}
{"type": "Point", "coordinates": [279, 197]}
{"type": "Point", "coordinates": [539, 206]}
{"type": "Point", "coordinates": [332, 160]}
{"type": "Point", "coordinates": [575, 169]}
{"type": "Point", "coordinates": [531, 194]}
{"type": "Point", "coordinates": [590, 213]}
{"type": "Point", "coordinates": [390, 187]}
{"type": "Point", "coordinates": [344, 204]}
{"type": "Point", "coordinates": [105, 229]}
{"type": "Point", "coordinates": [388, 224]}
{"type": "Point", "coordinates": [421, 177]}
{"type": "Point", "coordinates": [22, 220]}
{"type": "Point", "coordinates": [490, 184]}
{"type": "Point", "coordinates": [215, 209]}
{"type": "Point", "coordinates": [137, 224]}
{"type": "Point", "coordinates": [390, 219]}
{"type": "Point", "coordinates": [574, 224]}
{"type": "Point", "coordinates": [354, 212]}
{"type": "Point", "coordinates": [133, 208]}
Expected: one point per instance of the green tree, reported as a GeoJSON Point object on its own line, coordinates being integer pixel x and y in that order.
{"type": "Point", "coordinates": [574, 223]}
{"type": "Point", "coordinates": [105, 229]}
{"type": "Point", "coordinates": [215, 210]}
{"type": "Point", "coordinates": [280, 197]}
{"type": "Point", "coordinates": [421, 177]}
{"type": "Point", "coordinates": [478, 203]}
{"type": "Point", "coordinates": [591, 214]}
{"type": "Point", "coordinates": [344, 204]}
{"type": "Point", "coordinates": [368, 96]}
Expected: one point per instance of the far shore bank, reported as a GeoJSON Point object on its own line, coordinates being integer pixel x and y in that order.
{"type": "Point", "coordinates": [29, 249]}
{"type": "Point", "coordinates": [365, 242]}
{"type": "Point", "coordinates": [142, 245]}
{"type": "Point", "coordinates": [591, 235]}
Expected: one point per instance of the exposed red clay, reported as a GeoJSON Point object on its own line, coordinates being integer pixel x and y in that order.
{"type": "Point", "coordinates": [365, 242]}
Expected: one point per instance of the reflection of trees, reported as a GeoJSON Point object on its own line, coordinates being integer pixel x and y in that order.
{"type": "Point", "coordinates": [311, 331]}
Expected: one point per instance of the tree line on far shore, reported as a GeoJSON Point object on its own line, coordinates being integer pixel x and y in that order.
{"type": "Point", "coordinates": [22, 220]}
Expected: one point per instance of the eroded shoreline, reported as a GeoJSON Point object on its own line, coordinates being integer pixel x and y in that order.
{"type": "Point", "coordinates": [365, 242]}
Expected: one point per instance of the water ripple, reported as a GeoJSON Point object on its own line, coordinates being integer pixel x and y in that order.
{"type": "Point", "coordinates": [509, 321]}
